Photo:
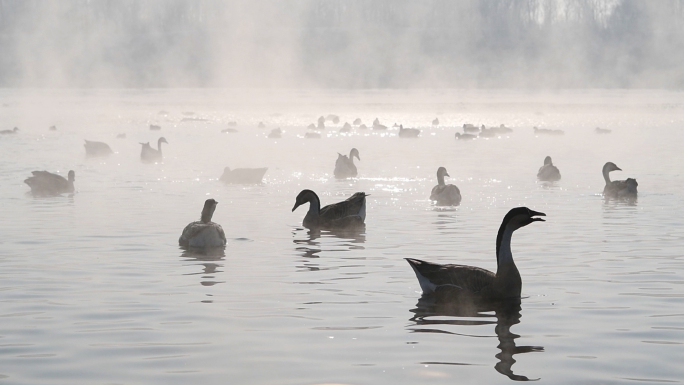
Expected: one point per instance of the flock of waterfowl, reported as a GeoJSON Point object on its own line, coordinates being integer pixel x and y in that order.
{"type": "Point", "coordinates": [351, 213]}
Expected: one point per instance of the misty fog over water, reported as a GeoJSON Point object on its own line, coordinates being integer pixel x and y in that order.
{"type": "Point", "coordinates": [342, 44]}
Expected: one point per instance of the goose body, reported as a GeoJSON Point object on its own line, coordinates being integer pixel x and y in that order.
{"type": "Point", "coordinates": [275, 133]}
{"type": "Point", "coordinates": [344, 165]}
{"type": "Point", "coordinates": [435, 122]}
{"type": "Point", "coordinates": [548, 172]}
{"type": "Point", "coordinates": [44, 183]}
{"type": "Point", "coordinates": [243, 175]}
{"type": "Point", "coordinates": [154, 127]}
{"type": "Point", "coordinates": [350, 213]}
{"type": "Point", "coordinates": [203, 233]}
{"type": "Point", "coordinates": [408, 132]}
{"type": "Point", "coordinates": [467, 127]}
{"type": "Point", "coordinates": [546, 131]}
{"type": "Point", "coordinates": [475, 281]}
{"type": "Point", "coordinates": [97, 149]}
{"type": "Point", "coordinates": [312, 135]}
{"type": "Point", "coordinates": [149, 154]}
{"type": "Point", "coordinates": [6, 132]}
{"type": "Point", "coordinates": [618, 189]}
{"type": "Point", "coordinates": [460, 136]}
{"type": "Point", "coordinates": [600, 130]}
{"type": "Point", "coordinates": [445, 194]}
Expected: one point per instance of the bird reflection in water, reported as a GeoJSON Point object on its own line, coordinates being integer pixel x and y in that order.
{"type": "Point", "coordinates": [431, 310]}
{"type": "Point", "coordinates": [309, 246]}
{"type": "Point", "coordinates": [211, 260]}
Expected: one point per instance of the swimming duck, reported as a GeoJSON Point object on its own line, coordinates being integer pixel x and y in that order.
{"type": "Point", "coordinates": [13, 131]}
{"type": "Point", "coordinates": [618, 189]}
{"type": "Point", "coordinates": [445, 194]}
{"type": "Point", "coordinates": [149, 154]}
{"type": "Point", "coordinates": [333, 118]}
{"type": "Point", "coordinates": [203, 233]}
{"type": "Point", "coordinates": [321, 123]}
{"type": "Point", "coordinates": [97, 149]}
{"type": "Point", "coordinates": [312, 135]}
{"type": "Point", "coordinates": [344, 166]}
{"type": "Point", "coordinates": [548, 172]}
{"type": "Point", "coordinates": [408, 132]}
{"type": "Point", "coordinates": [350, 213]}
{"type": "Point", "coordinates": [243, 175]}
{"type": "Point", "coordinates": [475, 281]}
{"type": "Point", "coordinates": [45, 183]}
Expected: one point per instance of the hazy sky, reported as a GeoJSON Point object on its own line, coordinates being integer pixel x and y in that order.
{"type": "Point", "coordinates": [342, 44]}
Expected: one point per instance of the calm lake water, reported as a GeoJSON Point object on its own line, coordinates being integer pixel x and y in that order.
{"type": "Point", "coordinates": [95, 290]}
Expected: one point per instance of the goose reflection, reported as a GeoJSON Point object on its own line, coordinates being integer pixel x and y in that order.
{"type": "Point", "coordinates": [308, 241]}
{"type": "Point", "coordinates": [211, 260]}
{"type": "Point", "coordinates": [430, 312]}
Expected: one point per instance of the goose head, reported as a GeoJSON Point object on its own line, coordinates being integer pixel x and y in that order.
{"type": "Point", "coordinates": [208, 210]}
{"type": "Point", "coordinates": [354, 153]}
{"type": "Point", "coordinates": [547, 161]}
{"type": "Point", "coordinates": [610, 166]}
{"type": "Point", "coordinates": [71, 176]}
{"type": "Point", "coordinates": [521, 217]}
{"type": "Point", "coordinates": [442, 172]}
{"type": "Point", "coordinates": [162, 140]}
{"type": "Point", "coordinates": [303, 197]}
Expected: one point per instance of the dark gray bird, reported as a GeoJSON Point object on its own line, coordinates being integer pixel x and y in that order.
{"type": "Point", "coordinates": [618, 189]}
{"type": "Point", "coordinates": [350, 213]}
{"type": "Point", "coordinates": [204, 233]}
{"type": "Point", "coordinates": [44, 183]}
{"type": "Point", "coordinates": [445, 194]}
{"type": "Point", "coordinates": [548, 172]}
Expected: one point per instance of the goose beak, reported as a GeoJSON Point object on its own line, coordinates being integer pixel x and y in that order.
{"type": "Point", "coordinates": [295, 206]}
{"type": "Point", "coordinates": [618, 169]}
{"type": "Point", "coordinates": [537, 213]}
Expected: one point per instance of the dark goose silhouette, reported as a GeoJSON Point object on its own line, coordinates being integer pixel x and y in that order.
{"type": "Point", "coordinates": [203, 233]}
{"type": "Point", "coordinates": [445, 194]}
{"type": "Point", "coordinates": [349, 213]}
{"type": "Point", "coordinates": [548, 172]}
{"type": "Point", "coordinates": [149, 154]}
{"type": "Point", "coordinates": [474, 281]}
{"type": "Point", "coordinates": [618, 189]}
{"type": "Point", "coordinates": [45, 183]}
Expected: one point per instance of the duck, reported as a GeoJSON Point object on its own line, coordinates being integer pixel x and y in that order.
{"type": "Point", "coordinates": [203, 233]}
{"type": "Point", "coordinates": [350, 213]}
{"type": "Point", "coordinates": [261, 125]}
{"type": "Point", "coordinates": [474, 281]}
{"type": "Point", "coordinates": [445, 194]}
{"type": "Point", "coordinates": [377, 125]}
{"type": "Point", "coordinates": [548, 172]}
{"type": "Point", "coordinates": [344, 166]}
{"type": "Point", "coordinates": [13, 131]}
{"type": "Point", "coordinates": [618, 189]}
{"type": "Point", "coordinates": [97, 149]}
{"type": "Point", "coordinates": [333, 118]}
{"type": "Point", "coordinates": [243, 175]}
{"type": "Point", "coordinates": [460, 136]}
{"type": "Point", "coordinates": [149, 154]}
{"type": "Point", "coordinates": [408, 132]}
{"type": "Point", "coordinates": [44, 183]}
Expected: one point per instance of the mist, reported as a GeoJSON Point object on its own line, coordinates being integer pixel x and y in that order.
{"type": "Point", "coordinates": [342, 44]}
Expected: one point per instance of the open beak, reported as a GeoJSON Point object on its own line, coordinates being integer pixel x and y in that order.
{"type": "Point", "coordinates": [537, 213]}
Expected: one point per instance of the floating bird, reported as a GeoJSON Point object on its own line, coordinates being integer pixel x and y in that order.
{"type": "Point", "coordinates": [333, 118]}
{"type": "Point", "coordinates": [435, 122]}
{"type": "Point", "coordinates": [363, 127]}
{"type": "Point", "coordinates": [155, 127]}
{"type": "Point", "coordinates": [321, 123]}
{"type": "Point", "coordinates": [203, 233]}
{"type": "Point", "coordinates": [275, 133]}
{"type": "Point", "coordinates": [487, 132]}
{"type": "Point", "coordinates": [502, 129]}
{"type": "Point", "coordinates": [548, 172]}
{"type": "Point", "coordinates": [475, 281]}
{"type": "Point", "coordinates": [467, 127]}
{"type": "Point", "coordinates": [460, 136]}
{"type": "Point", "coordinates": [344, 165]}
{"type": "Point", "coordinates": [408, 132]}
{"type": "Point", "coordinates": [149, 154]}
{"type": "Point", "coordinates": [618, 189]}
{"type": "Point", "coordinates": [357, 122]}
{"type": "Point", "coordinates": [346, 127]}
{"type": "Point", "coordinates": [445, 194]}
{"type": "Point", "coordinates": [311, 126]}
{"type": "Point", "coordinates": [13, 131]}
{"type": "Point", "coordinates": [312, 135]}
{"type": "Point", "coordinates": [232, 124]}
{"type": "Point", "coordinates": [53, 128]}
{"type": "Point", "coordinates": [350, 213]}
{"type": "Point", "coordinates": [45, 183]}
{"type": "Point", "coordinates": [243, 175]}
{"type": "Point", "coordinates": [261, 125]}
{"type": "Point", "coordinates": [600, 130]}
{"type": "Point", "coordinates": [94, 149]}
{"type": "Point", "coordinates": [546, 131]}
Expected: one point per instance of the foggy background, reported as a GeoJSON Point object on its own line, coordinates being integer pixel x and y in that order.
{"type": "Point", "coordinates": [342, 43]}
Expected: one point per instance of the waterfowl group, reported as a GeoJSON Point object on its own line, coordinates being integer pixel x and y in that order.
{"type": "Point", "coordinates": [474, 281]}
{"type": "Point", "coordinates": [618, 189]}
{"type": "Point", "coordinates": [344, 165]}
{"type": "Point", "coordinates": [203, 233]}
{"type": "Point", "coordinates": [548, 172]}
{"type": "Point", "coordinates": [94, 149]}
{"type": "Point", "coordinates": [44, 183]}
{"type": "Point", "coordinates": [350, 213]}
{"type": "Point", "coordinates": [149, 154]}
{"type": "Point", "coordinates": [243, 175]}
{"type": "Point", "coordinates": [445, 194]}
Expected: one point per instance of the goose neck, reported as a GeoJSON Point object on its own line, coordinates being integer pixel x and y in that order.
{"type": "Point", "coordinates": [606, 177]}
{"type": "Point", "coordinates": [440, 179]}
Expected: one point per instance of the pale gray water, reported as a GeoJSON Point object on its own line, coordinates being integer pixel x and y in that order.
{"type": "Point", "coordinates": [94, 288]}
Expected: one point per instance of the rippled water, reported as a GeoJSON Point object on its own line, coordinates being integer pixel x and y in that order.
{"type": "Point", "coordinates": [94, 288]}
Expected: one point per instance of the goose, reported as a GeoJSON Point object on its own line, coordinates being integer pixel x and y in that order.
{"type": "Point", "coordinates": [312, 135]}
{"type": "Point", "coordinates": [467, 127]}
{"type": "Point", "coordinates": [154, 127]}
{"type": "Point", "coordinates": [475, 281]}
{"type": "Point", "coordinates": [618, 189]}
{"type": "Point", "coordinates": [357, 122]}
{"type": "Point", "coordinates": [600, 130]}
{"type": "Point", "coordinates": [548, 172]}
{"type": "Point", "coordinates": [333, 118]}
{"type": "Point", "coordinates": [13, 131]}
{"type": "Point", "coordinates": [243, 175]}
{"type": "Point", "coordinates": [408, 132]}
{"type": "Point", "coordinates": [546, 131]}
{"type": "Point", "coordinates": [350, 213]}
{"type": "Point", "coordinates": [460, 136]}
{"type": "Point", "coordinates": [346, 127]}
{"type": "Point", "coordinates": [275, 133]}
{"type": "Point", "coordinates": [435, 122]}
{"type": "Point", "coordinates": [344, 166]}
{"type": "Point", "coordinates": [445, 194]}
{"type": "Point", "coordinates": [97, 149]}
{"type": "Point", "coordinates": [321, 123]}
{"type": "Point", "coordinates": [203, 233]}
{"type": "Point", "coordinates": [149, 154]}
{"type": "Point", "coordinates": [44, 183]}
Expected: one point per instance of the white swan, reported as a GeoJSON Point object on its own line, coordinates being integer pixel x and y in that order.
{"type": "Point", "coordinates": [204, 233]}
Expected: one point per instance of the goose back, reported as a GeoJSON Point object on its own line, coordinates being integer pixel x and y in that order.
{"type": "Point", "coordinates": [44, 183]}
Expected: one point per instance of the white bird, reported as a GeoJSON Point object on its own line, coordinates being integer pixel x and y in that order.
{"type": "Point", "coordinates": [204, 233]}
{"type": "Point", "coordinates": [45, 183]}
{"type": "Point", "coordinates": [149, 154]}
{"type": "Point", "coordinates": [445, 194]}
{"type": "Point", "coordinates": [548, 172]}
{"type": "Point", "coordinates": [344, 166]}
{"type": "Point", "coordinates": [618, 189]}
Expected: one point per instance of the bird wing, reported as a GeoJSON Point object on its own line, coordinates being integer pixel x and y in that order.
{"type": "Point", "coordinates": [470, 278]}
{"type": "Point", "coordinates": [352, 206]}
